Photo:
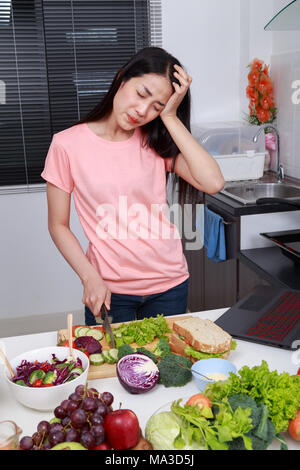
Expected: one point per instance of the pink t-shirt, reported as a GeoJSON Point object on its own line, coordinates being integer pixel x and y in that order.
{"type": "Point", "coordinates": [119, 191]}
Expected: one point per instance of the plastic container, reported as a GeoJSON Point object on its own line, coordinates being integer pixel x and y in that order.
{"type": "Point", "coordinates": [9, 435]}
{"type": "Point", "coordinates": [231, 144]}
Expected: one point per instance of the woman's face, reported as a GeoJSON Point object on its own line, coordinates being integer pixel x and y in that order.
{"type": "Point", "coordinates": [141, 99]}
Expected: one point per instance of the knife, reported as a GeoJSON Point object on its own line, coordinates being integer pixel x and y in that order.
{"type": "Point", "coordinates": [107, 327]}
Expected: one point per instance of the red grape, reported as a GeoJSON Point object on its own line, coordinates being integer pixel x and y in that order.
{"type": "Point", "coordinates": [87, 439]}
{"type": "Point", "coordinates": [56, 437]}
{"type": "Point", "coordinates": [43, 426]}
{"type": "Point", "coordinates": [98, 431]}
{"type": "Point", "coordinates": [79, 390]}
{"type": "Point", "coordinates": [78, 418]}
{"type": "Point", "coordinates": [72, 435]}
{"type": "Point", "coordinates": [96, 419]}
{"type": "Point", "coordinates": [89, 404]}
{"type": "Point", "coordinates": [65, 404]}
{"type": "Point", "coordinates": [60, 412]}
{"type": "Point", "coordinates": [26, 443]}
{"type": "Point", "coordinates": [101, 408]}
{"type": "Point", "coordinates": [107, 398]}
{"type": "Point", "coordinates": [92, 392]}
{"type": "Point", "coordinates": [55, 427]}
{"type": "Point", "coordinates": [75, 397]}
{"type": "Point", "coordinates": [73, 405]}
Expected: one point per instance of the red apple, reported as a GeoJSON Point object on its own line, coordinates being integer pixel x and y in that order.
{"type": "Point", "coordinates": [103, 446]}
{"type": "Point", "coordinates": [122, 429]}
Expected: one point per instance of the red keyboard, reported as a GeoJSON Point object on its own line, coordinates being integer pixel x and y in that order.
{"type": "Point", "coordinates": [277, 322]}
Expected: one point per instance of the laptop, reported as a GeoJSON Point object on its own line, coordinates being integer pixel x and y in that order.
{"type": "Point", "coordinates": [268, 315]}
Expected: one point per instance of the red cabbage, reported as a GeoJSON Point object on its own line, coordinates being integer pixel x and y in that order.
{"type": "Point", "coordinates": [90, 344]}
{"type": "Point", "coordinates": [137, 373]}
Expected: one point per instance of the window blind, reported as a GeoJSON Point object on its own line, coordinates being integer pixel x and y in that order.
{"type": "Point", "coordinates": [57, 60]}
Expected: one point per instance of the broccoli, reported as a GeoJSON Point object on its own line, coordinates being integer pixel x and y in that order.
{"type": "Point", "coordinates": [174, 370]}
{"type": "Point", "coordinates": [147, 353]}
{"type": "Point", "coordinates": [127, 349]}
{"type": "Point", "coordinates": [245, 401]}
{"type": "Point", "coordinates": [262, 432]}
{"type": "Point", "coordinates": [162, 348]}
{"type": "Point", "coordinates": [124, 349]}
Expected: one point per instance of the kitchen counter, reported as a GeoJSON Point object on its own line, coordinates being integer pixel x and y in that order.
{"type": "Point", "coordinates": [143, 405]}
{"type": "Point", "coordinates": [237, 209]}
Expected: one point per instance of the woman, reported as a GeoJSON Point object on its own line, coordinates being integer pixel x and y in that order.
{"type": "Point", "coordinates": [115, 162]}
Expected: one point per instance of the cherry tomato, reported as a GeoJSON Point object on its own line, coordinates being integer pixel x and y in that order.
{"type": "Point", "coordinates": [199, 399]}
{"type": "Point", "coordinates": [294, 427]}
{"type": "Point", "coordinates": [38, 383]}
{"type": "Point", "coordinates": [48, 385]}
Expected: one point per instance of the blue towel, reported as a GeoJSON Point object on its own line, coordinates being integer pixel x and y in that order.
{"type": "Point", "coordinates": [214, 236]}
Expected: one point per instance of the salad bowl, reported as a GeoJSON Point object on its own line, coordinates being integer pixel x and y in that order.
{"type": "Point", "coordinates": [46, 398]}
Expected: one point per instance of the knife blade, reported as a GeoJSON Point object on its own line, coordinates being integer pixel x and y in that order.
{"type": "Point", "coordinates": [107, 327]}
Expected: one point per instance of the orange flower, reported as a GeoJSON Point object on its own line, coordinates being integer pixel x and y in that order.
{"type": "Point", "coordinates": [265, 85]}
{"type": "Point", "coordinates": [266, 70]}
{"type": "Point", "coordinates": [256, 64]}
{"type": "Point", "coordinates": [264, 102]}
{"type": "Point", "coordinates": [251, 92]}
{"type": "Point", "coordinates": [263, 115]}
{"type": "Point", "coordinates": [260, 93]}
{"type": "Point", "coordinates": [253, 78]}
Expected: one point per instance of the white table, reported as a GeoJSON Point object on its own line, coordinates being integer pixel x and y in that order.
{"type": "Point", "coordinates": [143, 405]}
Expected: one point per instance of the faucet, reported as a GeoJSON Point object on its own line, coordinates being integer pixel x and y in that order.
{"type": "Point", "coordinates": [280, 170]}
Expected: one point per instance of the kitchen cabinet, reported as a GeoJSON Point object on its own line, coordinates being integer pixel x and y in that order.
{"type": "Point", "coordinates": [218, 285]}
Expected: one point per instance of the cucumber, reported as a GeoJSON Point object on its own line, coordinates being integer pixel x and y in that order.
{"type": "Point", "coordinates": [107, 357]}
{"type": "Point", "coordinates": [81, 331]}
{"type": "Point", "coordinates": [77, 370]}
{"type": "Point", "coordinates": [21, 382]}
{"type": "Point", "coordinates": [97, 334]}
{"type": "Point", "coordinates": [113, 354]}
{"type": "Point", "coordinates": [96, 359]}
{"type": "Point", "coordinates": [35, 375]}
{"type": "Point", "coordinates": [49, 378]}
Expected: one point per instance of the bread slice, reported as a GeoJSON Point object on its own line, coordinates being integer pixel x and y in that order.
{"type": "Point", "coordinates": [203, 335]}
{"type": "Point", "coordinates": [178, 346]}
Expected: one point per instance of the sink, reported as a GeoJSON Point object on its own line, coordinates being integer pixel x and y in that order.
{"type": "Point", "coordinates": [248, 193]}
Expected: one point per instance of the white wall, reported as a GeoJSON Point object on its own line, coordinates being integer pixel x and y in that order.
{"type": "Point", "coordinates": [214, 39]}
{"type": "Point", "coordinates": [204, 36]}
{"type": "Point", "coordinates": [35, 279]}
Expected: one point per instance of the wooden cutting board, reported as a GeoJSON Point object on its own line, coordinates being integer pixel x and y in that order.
{"type": "Point", "coordinates": [109, 370]}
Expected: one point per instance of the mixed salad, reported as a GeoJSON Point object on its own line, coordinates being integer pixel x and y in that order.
{"type": "Point", "coordinates": [47, 374]}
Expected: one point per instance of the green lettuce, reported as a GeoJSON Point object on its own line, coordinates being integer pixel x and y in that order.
{"type": "Point", "coordinates": [140, 332]}
{"type": "Point", "coordinates": [190, 351]}
{"type": "Point", "coordinates": [279, 392]}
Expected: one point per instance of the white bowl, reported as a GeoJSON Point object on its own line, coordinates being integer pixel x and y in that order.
{"type": "Point", "coordinates": [212, 365]}
{"type": "Point", "coordinates": [46, 398]}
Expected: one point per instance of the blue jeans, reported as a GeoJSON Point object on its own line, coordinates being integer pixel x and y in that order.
{"type": "Point", "coordinates": [125, 307]}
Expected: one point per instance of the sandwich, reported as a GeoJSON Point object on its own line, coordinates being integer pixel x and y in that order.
{"type": "Point", "coordinates": [198, 339]}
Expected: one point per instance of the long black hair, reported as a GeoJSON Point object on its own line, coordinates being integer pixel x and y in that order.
{"type": "Point", "coordinates": [155, 134]}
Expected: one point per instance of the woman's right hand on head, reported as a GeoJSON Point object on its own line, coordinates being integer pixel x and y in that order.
{"type": "Point", "coordinates": [95, 294]}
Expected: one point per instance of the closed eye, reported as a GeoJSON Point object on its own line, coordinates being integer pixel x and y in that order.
{"type": "Point", "coordinates": [143, 96]}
